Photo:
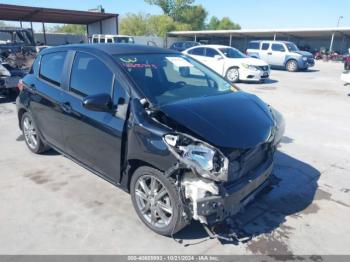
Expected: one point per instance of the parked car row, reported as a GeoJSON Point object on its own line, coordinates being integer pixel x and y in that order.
{"type": "Point", "coordinates": [252, 66]}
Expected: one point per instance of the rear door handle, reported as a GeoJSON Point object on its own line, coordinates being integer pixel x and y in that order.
{"type": "Point", "coordinates": [269, 53]}
{"type": "Point", "coordinates": [66, 107]}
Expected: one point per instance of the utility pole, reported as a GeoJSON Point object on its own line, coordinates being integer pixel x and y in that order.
{"type": "Point", "coordinates": [332, 39]}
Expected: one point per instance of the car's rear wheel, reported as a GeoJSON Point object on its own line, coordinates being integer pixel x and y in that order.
{"type": "Point", "coordinates": [156, 201]}
{"type": "Point", "coordinates": [232, 74]}
{"type": "Point", "coordinates": [31, 135]}
{"type": "Point", "coordinates": [292, 66]}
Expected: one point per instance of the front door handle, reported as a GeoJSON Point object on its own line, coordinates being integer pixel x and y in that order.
{"type": "Point", "coordinates": [66, 107]}
{"type": "Point", "coordinates": [269, 53]}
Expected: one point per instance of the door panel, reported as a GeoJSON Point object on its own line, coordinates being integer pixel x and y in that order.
{"type": "Point", "coordinates": [47, 113]}
{"type": "Point", "coordinates": [214, 63]}
{"type": "Point", "coordinates": [278, 55]}
{"type": "Point", "coordinates": [265, 51]}
{"type": "Point", "coordinates": [46, 97]}
{"type": "Point", "coordinates": [94, 138]}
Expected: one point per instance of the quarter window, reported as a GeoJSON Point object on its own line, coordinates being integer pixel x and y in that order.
{"type": "Point", "coordinates": [197, 51]}
{"type": "Point", "coordinates": [90, 76]}
{"type": "Point", "coordinates": [265, 46]}
{"type": "Point", "coordinates": [52, 66]}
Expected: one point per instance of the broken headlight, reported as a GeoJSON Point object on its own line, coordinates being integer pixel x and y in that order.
{"type": "Point", "coordinates": [198, 156]}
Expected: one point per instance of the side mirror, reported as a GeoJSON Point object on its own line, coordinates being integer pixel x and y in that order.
{"type": "Point", "coordinates": [218, 57]}
{"type": "Point", "coordinates": [99, 103]}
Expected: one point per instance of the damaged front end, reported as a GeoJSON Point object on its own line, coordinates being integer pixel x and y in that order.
{"type": "Point", "coordinates": [218, 185]}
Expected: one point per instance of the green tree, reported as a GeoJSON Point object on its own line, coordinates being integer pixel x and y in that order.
{"type": "Point", "coordinates": [194, 16]}
{"type": "Point", "coordinates": [70, 29]}
{"type": "Point", "coordinates": [183, 12]}
{"type": "Point", "coordinates": [159, 25]}
{"type": "Point", "coordinates": [213, 23]}
{"type": "Point", "coordinates": [135, 24]}
{"type": "Point", "coordinates": [171, 7]}
{"type": "Point", "coordinates": [227, 24]}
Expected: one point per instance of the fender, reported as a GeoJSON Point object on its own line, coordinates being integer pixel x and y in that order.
{"type": "Point", "coordinates": [144, 143]}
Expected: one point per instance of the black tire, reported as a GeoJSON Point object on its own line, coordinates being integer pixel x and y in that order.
{"type": "Point", "coordinates": [292, 66]}
{"type": "Point", "coordinates": [233, 71]}
{"type": "Point", "coordinates": [39, 147]}
{"type": "Point", "coordinates": [177, 221]}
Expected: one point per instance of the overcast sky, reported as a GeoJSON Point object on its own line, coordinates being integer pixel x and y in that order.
{"type": "Point", "coordinates": [249, 14]}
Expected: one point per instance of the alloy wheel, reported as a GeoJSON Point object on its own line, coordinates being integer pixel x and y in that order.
{"type": "Point", "coordinates": [153, 201]}
{"type": "Point", "coordinates": [292, 66]}
{"type": "Point", "coordinates": [30, 133]}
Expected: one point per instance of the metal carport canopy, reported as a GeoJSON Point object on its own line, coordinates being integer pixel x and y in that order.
{"type": "Point", "coordinates": [50, 15]}
{"type": "Point", "coordinates": [297, 32]}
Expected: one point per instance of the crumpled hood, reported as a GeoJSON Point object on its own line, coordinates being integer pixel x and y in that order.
{"type": "Point", "coordinates": [304, 53]}
{"type": "Point", "coordinates": [236, 120]}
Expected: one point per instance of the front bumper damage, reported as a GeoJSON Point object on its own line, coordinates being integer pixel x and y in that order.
{"type": "Point", "coordinates": [212, 203]}
{"type": "Point", "coordinates": [233, 198]}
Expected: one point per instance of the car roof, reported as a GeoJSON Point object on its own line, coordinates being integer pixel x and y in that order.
{"type": "Point", "coordinates": [108, 35]}
{"type": "Point", "coordinates": [112, 49]}
{"type": "Point", "coordinates": [270, 41]}
{"type": "Point", "coordinates": [216, 46]}
{"type": "Point", "coordinates": [212, 46]}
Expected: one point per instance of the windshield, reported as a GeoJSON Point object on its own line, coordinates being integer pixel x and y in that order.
{"type": "Point", "coordinates": [232, 53]}
{"type": "Point", "coordinates": [292, 47]}
{"type": "Point", "coordinates": [168, 78]}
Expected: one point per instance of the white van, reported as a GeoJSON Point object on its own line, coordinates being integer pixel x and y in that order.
{"type": "Point", "coordinates": [112, 39]}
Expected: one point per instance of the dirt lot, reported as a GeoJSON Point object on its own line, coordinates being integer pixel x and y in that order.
{"type": "Point", "coordinates": [50, 205]}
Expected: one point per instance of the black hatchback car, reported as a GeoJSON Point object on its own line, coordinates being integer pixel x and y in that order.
{"type": "Point", "coordinates": [181, 139]}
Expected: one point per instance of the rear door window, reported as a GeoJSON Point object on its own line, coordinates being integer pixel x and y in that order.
{"type": "Point", "coordinates": [51, 67]}
{"type": "Point", "coordinates": [197, 51]}
{"type": "Point", "coordinates": [90, 76]}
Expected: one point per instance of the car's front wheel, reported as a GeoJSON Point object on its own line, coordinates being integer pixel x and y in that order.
{"type": "Point", "coordinates": [157, 201]}
{"type": "Point", "coordinates": [31, 135]}
{"type": "Point", "coordinates": [232, 74]}
{"type": "Point", "coordinates": [292, 66]}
